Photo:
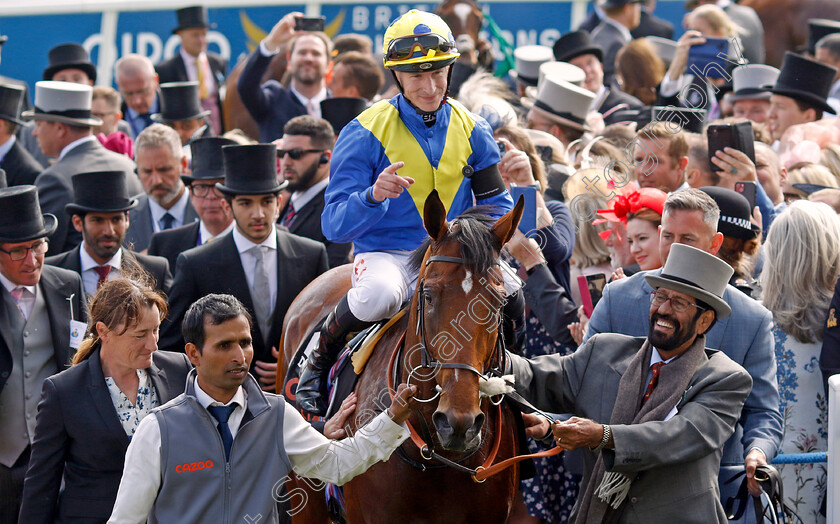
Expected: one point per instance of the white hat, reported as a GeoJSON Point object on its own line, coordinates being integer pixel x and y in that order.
{"type": "Point", "coordinates": [663, 47]}
{"type": "Point", "coordinates": [753, 82]}
{"type": "Point", "coordinates": [563, 102]}
{"type": "Point", "coordinates": [528, 59]}
{"type": "Point", "coordinates": [62, 102]}
{"type": "Point", "coordinates": [562, 71]}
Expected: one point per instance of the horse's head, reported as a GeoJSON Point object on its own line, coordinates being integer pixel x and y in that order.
{"type": "Point", "coordinates": [464, 17]}
{"type": "Point", "coordinates": [457, 311]}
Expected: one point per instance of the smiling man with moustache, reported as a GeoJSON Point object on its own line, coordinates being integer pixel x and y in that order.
{"type": "Point", "coordinates": [305, 164]}
{"type": "Point", "coordinates": [675, 402]}
{"type": "Point", "coordinates": [261, 265]}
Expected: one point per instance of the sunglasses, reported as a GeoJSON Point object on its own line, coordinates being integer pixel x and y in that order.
{"type": "Point", "coordinates": [297, 152]}
{"type": "Point", "coordinates": [430, 43]}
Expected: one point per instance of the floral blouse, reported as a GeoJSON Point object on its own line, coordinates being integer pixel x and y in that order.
{"type": "Point", "coordinates": [129, 414]}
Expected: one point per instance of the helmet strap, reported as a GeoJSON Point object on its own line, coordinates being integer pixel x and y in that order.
{"type": "Point", "coordinates": [429, 117]}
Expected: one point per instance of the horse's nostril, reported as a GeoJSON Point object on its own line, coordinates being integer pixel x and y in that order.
{"type": "Point", "coordinates": [478, 423]}
{"type": "Point", "coordinates": [441, 422]}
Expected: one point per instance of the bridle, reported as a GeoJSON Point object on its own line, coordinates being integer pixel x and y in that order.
{"type": "Point", "coordinates": [427, 360]}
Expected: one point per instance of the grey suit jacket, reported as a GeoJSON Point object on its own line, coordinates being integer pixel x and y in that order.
{"type": "Point", "coordinates": [677, 461]}
{"type": "Point", "coordinates": [55, 188]}
{"type": "Point", "coordinates": [745, 336]}
{"type": "Point", "coordinates": [58, 285]}
{"type": "Point", "coordinates": [157, 267]}
{"type": "Point", "coordinates": [611, 40]}
{"type": "Point", "coordinates": [141, 228]}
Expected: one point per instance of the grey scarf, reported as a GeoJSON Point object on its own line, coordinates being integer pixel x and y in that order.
{"type": "Point", "coordinates": [609, 488]}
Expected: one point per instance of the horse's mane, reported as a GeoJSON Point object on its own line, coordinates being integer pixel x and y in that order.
{"type": "Point", "coordinates": [473, 230]}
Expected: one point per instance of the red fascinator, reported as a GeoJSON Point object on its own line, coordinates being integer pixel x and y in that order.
{"type": "Point", "coordinates": [630, 200]}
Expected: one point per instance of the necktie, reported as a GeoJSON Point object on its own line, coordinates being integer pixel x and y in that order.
{"type": "Point", "coordinates": [166, 221]}
{"type": "Point", "coordinates": [290, 215]}
{"type": "Point", "coordinates": [17, 294]}
{"type": "Point", "coordinates": [261, 292]}
{"type": "Point", "coordinates": [310, 108]}
{"type": "Point", "coordinates": [222, 414]}
{"type": "Point", "coordinates": [202, 89]}
{"type": "Point", "coordinates": [654, 378]}
{"type": "Point", "coordinates": [102, 271]}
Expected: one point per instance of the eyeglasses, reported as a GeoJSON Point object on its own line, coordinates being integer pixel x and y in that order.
{"type": "Point", "coordinates": [140, 92]}
{"type": "Point", "coordinates": [203, 190]}
{"type": "Point", "coordinates": [403, 48]}
{"type": "Point", "coordinates": [679, 305]}
{"type": "Point", "coordinates": [297, 152]}
{"type": "Point", "coordinates": [19, 253]}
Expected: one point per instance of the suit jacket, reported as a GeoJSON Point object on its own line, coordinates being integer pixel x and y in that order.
{"type": "Point", "coordinates": [217, 268]}
{"type": "Point", "coordinates": [141, 228]}
{"type": "Point", "coordinates": [174, 70]}
{"type": "Point", "coordinates": [753, 39]}
{"type": "Point", "coordinates": [611, 40]}
{"type": "Point", "coordinates": [652, 25]}
{"type": "Point", "coordinates": [57, 285]}
{"type": "Point", "coordinates": [590, 22]}
{"type": "Point", "coordinates": [55, 189]}
{"type": "Point", "coordinates": [615, 97]}
{"type": "Point", "coordinates": [79, 438]}
{"type": "Point", "coordinates": [20, 166]}
{"type": "Point", "coordinates": [686, 446]}
{"type": "Point", "coordinates": [170, 243]}
{"type": "Point", "coordinates": [157, 267]}
{"type": "Point", "coordinates": [745, 336]}
{"type": "Point", "coordinates": [307, 223]}
{"type": "Point", "coordinates": [270, 104]}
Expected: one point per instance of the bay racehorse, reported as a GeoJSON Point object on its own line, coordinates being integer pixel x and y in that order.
{"type": "Point", "coordinates": [446, 344]}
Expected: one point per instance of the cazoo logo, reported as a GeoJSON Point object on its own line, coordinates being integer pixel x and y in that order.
{"type": "Point", "coordinates": [193, 466]}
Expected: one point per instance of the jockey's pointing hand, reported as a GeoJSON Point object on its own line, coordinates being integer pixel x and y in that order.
{"type": "Point", "coordinates": [389, 184]}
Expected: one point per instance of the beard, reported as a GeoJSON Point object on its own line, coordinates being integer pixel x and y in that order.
{"type": "Point", "coordinates": [681, 334]}
{"type": "Point", "coordinates": [304, 180]}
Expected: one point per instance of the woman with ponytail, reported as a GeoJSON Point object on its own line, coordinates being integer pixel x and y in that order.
{"type": "Point", "coordinates": [88, 413]}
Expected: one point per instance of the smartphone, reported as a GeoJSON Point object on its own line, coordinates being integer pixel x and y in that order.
{"type": "Point", "coordinates": [501, 147]}
{"type": "Point", "coordinates": [591, 288]}
{"type": "Point", "coordinates": [306, 23]}
{"type": "Point", "coordinates": [748, 188]}
{"type": "Point", "coordinates": [528, 224]}
{"type": "Point", "coordinates": [709, 59]}
{"type": "Point", "coordinates": [737, 136]}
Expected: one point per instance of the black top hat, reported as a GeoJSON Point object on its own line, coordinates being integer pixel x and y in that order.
{"type": "Point", "coordinates": [818, 28]}
{"type": "Point", "coordinates": [179, 101]}
{"type": "Point", "coordinates": [341, 111]}
{"type": "Point", "coordinates": [251, 170]}
{"type": "Point", "coordinates": [100, 192]}
{"type": "Point", "coordinates": [735, 213]}
{"type": "Point", "coordinates": [574, 44]}
{"type": "Point", "coordinates": [69, 56]}
{"type": "Point", "coordinates": [691, 120]}
{"type": "Point", "coordinates": [10, 102]}
{"type": "Point", "coordinates": [805, 80]}
{"type": "Point", "coordinates": [20, 215]}
{"type": "Point", "coordinates": [618, 3]}
{"type": "Point", "coordinates": [207, 159]}
{"type": "Point", "coordinates": [193, 17]}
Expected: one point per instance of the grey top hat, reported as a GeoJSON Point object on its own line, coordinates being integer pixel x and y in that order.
{"type": "Point", "coordinates": [562, 71]}
{"type": "Point", "coordinates": [528, 59]}
{"type": "Point", "coordinates": [753, 82]}
{"type": "Point", "coordinates": [663, 47]}
{"type": "Point", "coordinates": [563, 102]}
{"type": "Point", "coordinates": [696, 273]}
{"type": "Point", "coordinates": [62, 102]}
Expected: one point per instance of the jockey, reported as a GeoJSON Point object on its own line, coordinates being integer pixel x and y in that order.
{"type": "Point", "coordinates": [384, 165]}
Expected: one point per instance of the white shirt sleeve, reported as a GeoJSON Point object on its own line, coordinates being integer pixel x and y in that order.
{"type": "Point", "coordinates": [670, 87]}
{"type": "Point", "coordinates": [337, 461]}
{"type": "Point", "coordinates": [264, 50]}
{"type": "Point", "coordinates": [141, 476]}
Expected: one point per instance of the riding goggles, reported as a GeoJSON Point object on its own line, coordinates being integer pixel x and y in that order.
{"type": "Point", "coordinates": [430, 45]}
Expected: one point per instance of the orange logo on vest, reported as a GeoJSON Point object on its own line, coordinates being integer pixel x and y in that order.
{"type": "Point", "coordinates": [193, 466]}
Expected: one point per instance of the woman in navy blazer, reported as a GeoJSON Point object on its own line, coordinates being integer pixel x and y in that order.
{"type": "Point", "coordinates": [85, 420]}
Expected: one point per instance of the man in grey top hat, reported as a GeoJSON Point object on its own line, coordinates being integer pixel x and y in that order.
{"type": "Point", "coordinates": [648, 410]}
{"type": "Point", "coordinates": [63, 123]}
{"type": "Point", "coordinates": [751, 94]}
{"type": "Point", "coordinates": [39, 303]}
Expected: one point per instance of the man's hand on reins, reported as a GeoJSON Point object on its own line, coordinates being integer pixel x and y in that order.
{"type": "Point", "coordinates": [577, 433]}
{"type": "Point", "coordinates": [536, 427]}
{"type": "Point", "coordinates": [403, 403]}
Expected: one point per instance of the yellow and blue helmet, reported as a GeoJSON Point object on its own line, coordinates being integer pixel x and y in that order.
{"type": "Point", "coordinates": [418, 42]}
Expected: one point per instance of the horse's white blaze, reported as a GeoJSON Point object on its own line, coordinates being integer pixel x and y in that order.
{"type": "Point", "coordinates": [467, 284]}
{"type": "Point", "coordinates": [462, 11]}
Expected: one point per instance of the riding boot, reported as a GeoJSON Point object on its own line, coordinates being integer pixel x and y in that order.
{"type": "Point", "coordinates": [513, 322]}
{"type": "Point", "coordinates": [311, 391]}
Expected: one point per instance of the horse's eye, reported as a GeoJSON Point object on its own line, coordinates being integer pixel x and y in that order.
{"type": "Point", "coordinates": [427, 296]}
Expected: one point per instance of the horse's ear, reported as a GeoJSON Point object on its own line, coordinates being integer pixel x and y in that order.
{"type": "Point", "coordinates": [434, 216]}
{"type": "Point", "coordinates": [506, 226]}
